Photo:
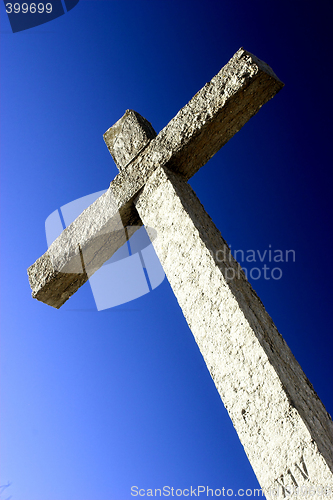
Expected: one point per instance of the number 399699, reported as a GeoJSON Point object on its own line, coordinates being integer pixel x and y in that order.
{"type": "Point", "coordinates": [25, 8]}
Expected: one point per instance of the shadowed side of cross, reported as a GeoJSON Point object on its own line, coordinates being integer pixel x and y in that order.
{"type": "Point", "coordinates": [282, 424]}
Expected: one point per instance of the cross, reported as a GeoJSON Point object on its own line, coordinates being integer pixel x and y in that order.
{"type": "Point", "coordinates": [282, 424]}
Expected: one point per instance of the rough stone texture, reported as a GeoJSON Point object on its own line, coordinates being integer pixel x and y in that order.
{"type": "Point", "coordinates": [205, 124]}
{"type": "Point", "coordinates": [127, 137]}
{"type": "Point", "coordinates": [283, 426]}
{"type": "Point", "coordinates": [191, 138]}
{"type": "Point", "coordinates": [81, 249]}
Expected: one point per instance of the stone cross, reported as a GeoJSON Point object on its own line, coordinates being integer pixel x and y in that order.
{"type": "Point", "coordinates": [283, 426]}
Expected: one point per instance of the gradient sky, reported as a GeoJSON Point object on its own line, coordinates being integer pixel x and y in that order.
{"type": "Point", "coordinates": [92, 402]}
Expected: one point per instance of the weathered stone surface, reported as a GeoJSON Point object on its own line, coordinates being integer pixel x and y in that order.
{"type": "Point", "coordinates": [81, 249]}
{"type": "Point", "coordinates": [127, 137]}
{"type": "Point", "coordinates": [205, 124]}
{"type": "Point", "coordinates": [193, 136]}
{"type": "Point", "coordinates": [283, 426]}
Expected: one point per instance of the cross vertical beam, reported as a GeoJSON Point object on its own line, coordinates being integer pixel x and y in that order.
{"type": "Point", "coordinates": [282, 424]}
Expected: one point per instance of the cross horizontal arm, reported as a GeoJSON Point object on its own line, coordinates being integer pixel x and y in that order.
{"type": "Point", "coordinates": [81, 249]}
{"type": "Point", "coordinates": [190, 139]}
{"type": "Point", "coordinates": [205, 124]}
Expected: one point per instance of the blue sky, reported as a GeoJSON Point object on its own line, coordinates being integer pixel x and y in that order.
{"type": "Point", "coordinates": [92, 402]}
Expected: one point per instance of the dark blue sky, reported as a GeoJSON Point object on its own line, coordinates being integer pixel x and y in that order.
{"type": "Point", "coordinates": [96, 402]}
